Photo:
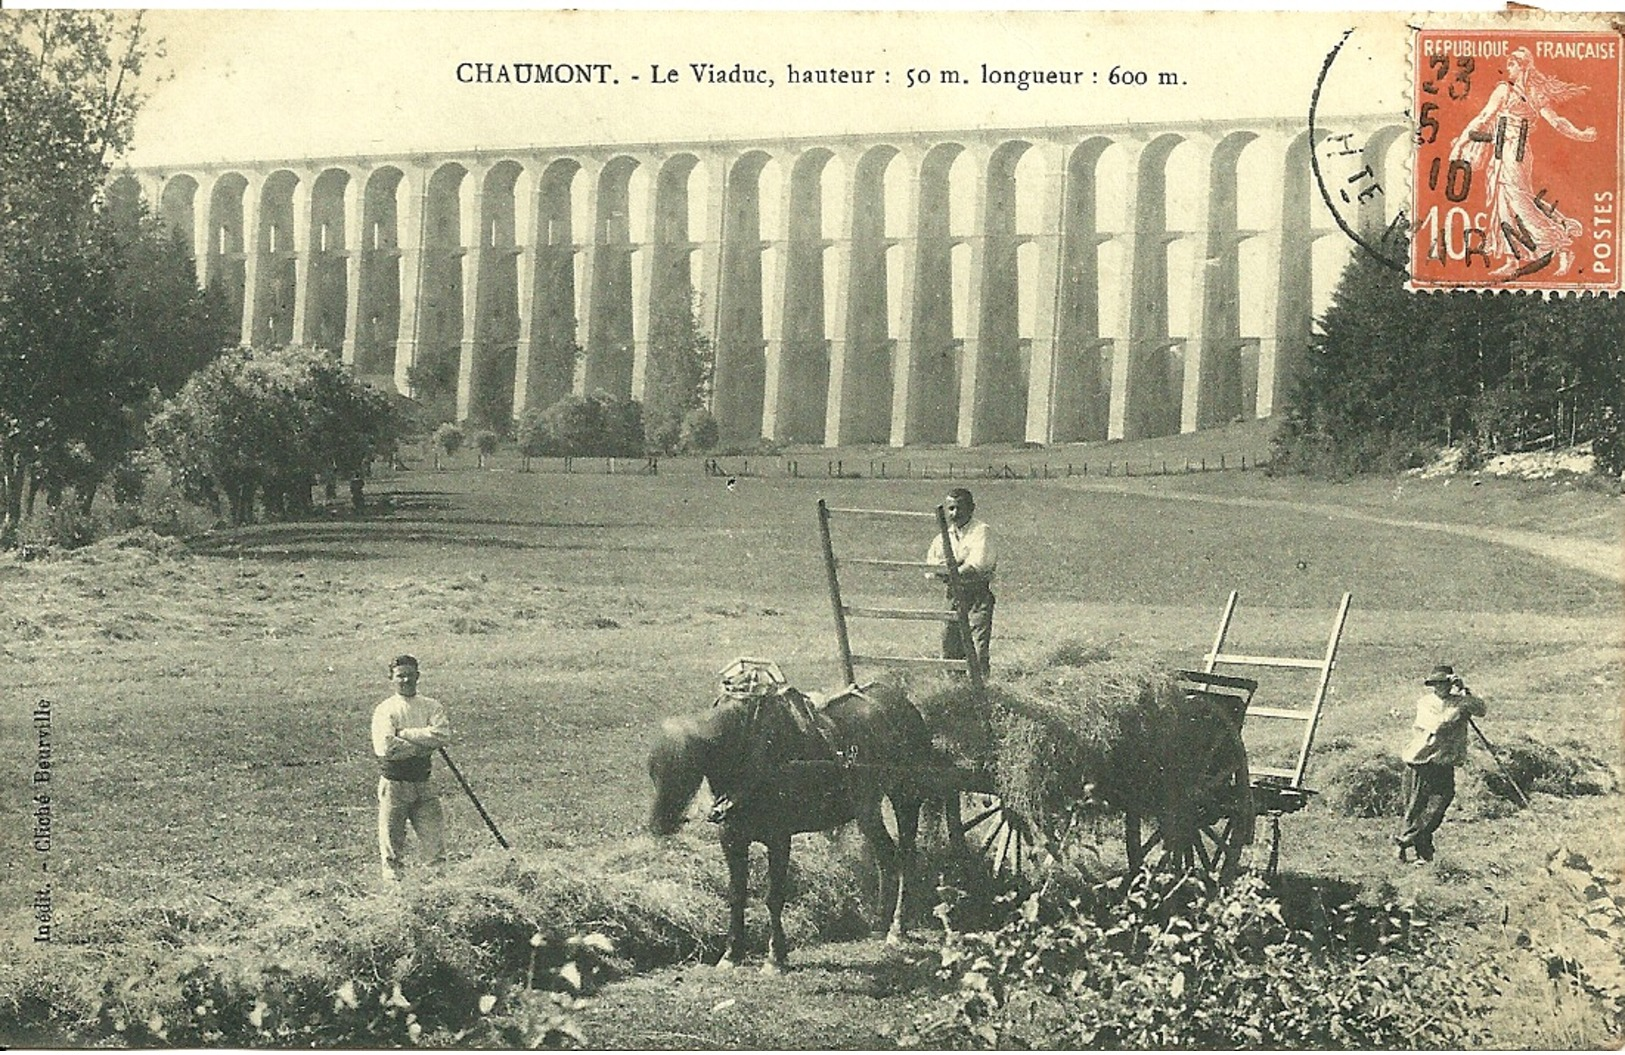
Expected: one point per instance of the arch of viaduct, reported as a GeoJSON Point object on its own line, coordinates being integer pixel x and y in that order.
{"type": "Point", "coordinates": [1048, 285]}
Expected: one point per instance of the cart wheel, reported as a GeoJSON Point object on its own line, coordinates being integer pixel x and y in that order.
{"type": "Point", "coordinates": [1204, 828]}
{"type": "Point", "coordinates": [980, 823]}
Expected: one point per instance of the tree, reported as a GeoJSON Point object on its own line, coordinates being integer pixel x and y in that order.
{"type": "Point", "coordinates": [678, 373]}
{"type": "Point", "coordinates": [68, 102]}
{"type": "Point", "coordinates": [532, 436]}
{"type": "Point", "coordinates": [1393, 375]}
{"type": "Point", "coordinates": [700, 431]}
{"type": "Point", "coordinates": [449, 438]}
{"type": "Point", "coordinates": [266, 425]}
{"type": "Point", "coordinates": [485, 442]}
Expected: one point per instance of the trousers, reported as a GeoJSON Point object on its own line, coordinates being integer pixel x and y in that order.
{"type": "Point", "coordinates": [1429, 789]}
{"type": "Point", "coordinates": [979, 602]}
{"type": "Point", "coordinates": [414, 801]}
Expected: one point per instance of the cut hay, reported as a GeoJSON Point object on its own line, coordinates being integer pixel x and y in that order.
{"type": "Point", "coordinates": [1080, 724]}
{"type": "Point", "coordinates": [1369, 783]}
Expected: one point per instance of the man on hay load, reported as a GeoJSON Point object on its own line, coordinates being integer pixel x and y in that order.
{"type": "Point", "coordinates": [973, 552]}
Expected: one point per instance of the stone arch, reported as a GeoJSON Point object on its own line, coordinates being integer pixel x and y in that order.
{"type": "Point", "coordinates": [933, 404]}
{"type": "Point", "coordinates": [610, 332]}
{"type": "Point", "coordinates": [804, 364]}
{"type": "Point", "coordinates": [999, 384]}
{"type": "Point", "coordinates": [226, 263]}
{"type": "Point", "coordinates": [741, 364]}
{"type": "Point", "coordinates": [866, 396]}
{"type": "Point", "coordinates": [436, 368]}
{"type": "Point", "coordinates": [1215, 388]}
{"type": "Point", "coordinates": [1150, 397]}
{"type": "Point", "coordinates": [1082, 387]}
{"type": "Point", "coordinates": [177, 204]}
{"type": "Point", "coordinates": [492, 359]}
{"type": "Point", "coordinates": [670, 276]}
{"type": "Point", "coordinates": [550, 372]}
{"type": "Point", "coordinates": [378, 326]}
{"type": "Point", "coordinates": [273, 262]}
{"type": "Point", "coordinates": [329, 250]}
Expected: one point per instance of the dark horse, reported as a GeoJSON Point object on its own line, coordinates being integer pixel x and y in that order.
{"type": "Point", "coordinates": [777, 766]}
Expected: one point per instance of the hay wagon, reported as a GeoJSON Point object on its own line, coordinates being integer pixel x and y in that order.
{"type": "Point", "coordinates": [1198, 803]}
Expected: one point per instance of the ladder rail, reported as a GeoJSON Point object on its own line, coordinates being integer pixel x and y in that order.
{"type": "Point", "coordinates": [1321, 687]}
{"type": "Point", "coordinates": [842, 642]}
{"type": "Point", "coordinates": [958, 615]}
{"type": "Point", "coordinates": [1324, 666]}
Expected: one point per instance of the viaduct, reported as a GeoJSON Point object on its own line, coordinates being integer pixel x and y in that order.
{"type": "Point", "coordinates": [1051, 285]}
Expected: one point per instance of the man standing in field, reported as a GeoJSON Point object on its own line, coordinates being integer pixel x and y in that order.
{"type": "Point", "coordinates": [407, 729]}
{"type": "Point", "coordinates": [973, 553]}
{"type": "Point", "coordinates": [1439, 745]}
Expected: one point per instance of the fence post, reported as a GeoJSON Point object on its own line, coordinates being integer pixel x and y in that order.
{"type": "Point", "coordinates": [1221, 463]}
{"type": "Point", "coordinates": [1243, 463]}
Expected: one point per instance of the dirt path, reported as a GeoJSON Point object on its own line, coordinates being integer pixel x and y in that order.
{"type": "Point", "coordinates": [1594, 558]}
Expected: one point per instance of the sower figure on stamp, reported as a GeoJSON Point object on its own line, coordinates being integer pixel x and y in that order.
{"type": "Point", "coordinates": [407, 729]}
{"type": "Point", "coordinates": [973, 550]}
{"type": "Point", "coordinates": [1437, 748]}
{"type": "Point", "coordinates": [1496, 143]}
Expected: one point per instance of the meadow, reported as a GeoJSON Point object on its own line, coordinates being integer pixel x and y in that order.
{"type": "Point", "coordinates": [210, 701]}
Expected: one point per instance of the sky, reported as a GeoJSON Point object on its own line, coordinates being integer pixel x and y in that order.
{"type": "Point", "coordinates": [269, 84]}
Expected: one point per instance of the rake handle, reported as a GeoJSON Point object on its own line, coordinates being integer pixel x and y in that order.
{"type": "Point", "coordinates": [1499, 764]}
{"type": "Point", "coordinates": [486, 817]}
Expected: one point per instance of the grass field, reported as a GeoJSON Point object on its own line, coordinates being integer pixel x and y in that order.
{"type": "Point", "coordinates": [210, 708]}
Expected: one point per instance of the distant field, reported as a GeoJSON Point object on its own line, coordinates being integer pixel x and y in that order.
{"type": "Point", "coordinates": [211, 710]}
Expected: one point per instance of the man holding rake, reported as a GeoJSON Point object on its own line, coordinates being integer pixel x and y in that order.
{"type": "Point", "coordinates": [1443, 715]}
{"type": "Point", "coordinates": [407, 729]}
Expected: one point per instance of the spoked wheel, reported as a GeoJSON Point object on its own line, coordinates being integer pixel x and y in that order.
{"type": "Point", "coordinates": [981, 824]}
{"type": "Point", "coordinates": [1203, 828]}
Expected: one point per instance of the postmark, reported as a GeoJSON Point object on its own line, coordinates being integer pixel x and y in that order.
{"type": "Point", "coordinates": [1516, 176]}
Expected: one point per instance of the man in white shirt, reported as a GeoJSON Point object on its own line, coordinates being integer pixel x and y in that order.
{"type": "Point", "coordinates": [973, 553]}
{"type": "Point", "coordinates": [1437, 748]}
{"type": "Point", "coordinates": [407, 729]}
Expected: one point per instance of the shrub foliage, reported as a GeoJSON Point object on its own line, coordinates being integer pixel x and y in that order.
{"type": "Point", "coordinates": [260, 427]}
{"type": "Point", "coordinates": [1175, 966]}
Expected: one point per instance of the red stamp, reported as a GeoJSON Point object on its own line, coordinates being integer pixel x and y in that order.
{"type": "Point", "coordinates": [1517, 179]}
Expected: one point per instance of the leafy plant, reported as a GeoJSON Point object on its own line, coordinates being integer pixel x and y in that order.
{"type": "Point", "coordinates": [1169, 963]}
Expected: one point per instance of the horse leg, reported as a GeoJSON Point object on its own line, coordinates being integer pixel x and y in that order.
{"type": "Point", "coordinates": [778, 876]}
{"type": "Point", "coordinates": [736, 851]}
{"type": "Point", "coordinates": [907, 810]}
{"type": "Point", "coordinates": [886, 854]}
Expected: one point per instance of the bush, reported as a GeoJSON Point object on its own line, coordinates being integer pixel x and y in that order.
{"type": "Point", "coordinates": [700, 432]}
{"type": "Point", "coordinates": [1172, 966]}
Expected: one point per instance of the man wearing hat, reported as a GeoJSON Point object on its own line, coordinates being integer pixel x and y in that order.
{"type": "Point", "coordinates": [1437, 748]}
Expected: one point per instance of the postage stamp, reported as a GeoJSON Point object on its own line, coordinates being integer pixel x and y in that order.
{"type": "Point", "coordinates": [1516, 178]}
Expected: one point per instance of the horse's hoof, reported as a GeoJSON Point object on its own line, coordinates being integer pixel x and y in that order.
{"type": "Point", "coordinates": [772, 968]}
{"type": "Point", "coordinates": [725, 964]}
{"type": "Point", "coordinates": [896, 939]}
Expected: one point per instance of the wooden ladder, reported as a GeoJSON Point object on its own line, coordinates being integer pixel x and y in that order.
{"type": "Point", "coordinates": [1310, 716]}
{"type": "Point", "coordinates": [959, 614]}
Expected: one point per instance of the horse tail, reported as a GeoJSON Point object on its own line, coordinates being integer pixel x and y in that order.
{"type": "Point", "coordinates": [675, 768]}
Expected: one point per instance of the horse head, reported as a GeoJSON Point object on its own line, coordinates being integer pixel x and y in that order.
{"type": "Point", "coordinates": [734, 748]}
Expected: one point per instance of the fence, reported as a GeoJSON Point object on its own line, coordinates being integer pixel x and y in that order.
{"type": "Point", "coordinates": [909, 468]}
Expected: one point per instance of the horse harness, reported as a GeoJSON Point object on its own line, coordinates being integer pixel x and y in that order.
{"type": "Point", "coordinates": [805, 713]}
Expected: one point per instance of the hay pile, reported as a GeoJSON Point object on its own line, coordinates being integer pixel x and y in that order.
{"type": "Point", "coordinates": [1078, 728]}
{"type": "Point", "coordinates": [1367, 782]}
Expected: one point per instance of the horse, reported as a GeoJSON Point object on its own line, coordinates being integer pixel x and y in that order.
{"type": "Point", "coordinates": [777, 766]}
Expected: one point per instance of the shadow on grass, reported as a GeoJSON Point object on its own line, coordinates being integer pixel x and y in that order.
{"type": "Point", "coordinates": [312, 540]}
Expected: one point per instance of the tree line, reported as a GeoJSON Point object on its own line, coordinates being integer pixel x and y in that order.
{"type": "Point", "coordinates": [1392, 376]}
